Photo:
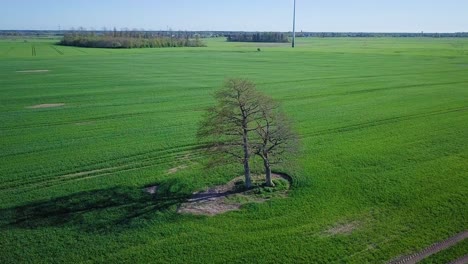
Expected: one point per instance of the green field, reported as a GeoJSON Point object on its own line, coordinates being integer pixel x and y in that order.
{"type": "Point", "coordinates": [384, 133]}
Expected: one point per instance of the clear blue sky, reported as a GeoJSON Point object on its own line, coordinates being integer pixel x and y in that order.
{"type": "Point", "coordinates": [251, 15]}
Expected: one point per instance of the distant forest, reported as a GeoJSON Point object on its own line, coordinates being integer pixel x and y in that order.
{"type": "Point", "coordinates": [130, 39]}
{"type": "Point", "coordinates": [232, 35]}
{"type": "Point", "coordinates": [258, 37]}
{"type": "Point", "coordinates": [382, 35]}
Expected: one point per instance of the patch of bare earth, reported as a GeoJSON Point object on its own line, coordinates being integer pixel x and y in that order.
{"type": "Point", "coordinates": [216, 200]}
{"type": "Point", "coordinates": [209, 207]}
{"type": "Point", "coordinates": [342, 229]}
{"type": "Point", "coordinates": [176, 169]}
{"type": "Point", "coordinates": [151, 189]}
{"type": "Point", "coordinates": [85, 123]}
{"type": "Point", "coordinates": [32, 71]}
{"type": "Point", "coordinates": [39, 106]}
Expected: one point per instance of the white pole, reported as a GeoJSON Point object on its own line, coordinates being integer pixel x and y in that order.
{"type": "Point", "coordinates": [294, 26]}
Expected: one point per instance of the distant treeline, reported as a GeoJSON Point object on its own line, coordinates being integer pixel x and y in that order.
{"type": "Point", "coordinates": [228, 34]}
{"type": "Point", "coordinates": [129, 39]}
{"type": "Point", "coordinates": [382, 35]}
{"type": "Point", "coordinates": [258, 37]}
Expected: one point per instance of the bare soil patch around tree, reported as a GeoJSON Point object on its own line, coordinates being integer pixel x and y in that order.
{"type": "Point", "coordinates": [231, 196]}
{"type": "Point", "coordinates": [39, 106]}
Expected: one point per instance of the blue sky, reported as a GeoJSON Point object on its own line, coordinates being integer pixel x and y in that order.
{"type": "Point", "coordinates": [248, 15]}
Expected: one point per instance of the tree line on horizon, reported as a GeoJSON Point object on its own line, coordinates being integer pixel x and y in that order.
{"type": "Point", "coordinates": [233, 34]}
{"type": "Point", "coordinates": [381, 35]}
{"type": "Point", "coordinates": [272, 37]}
{"type": "Point", "coordinates": [130, 39]}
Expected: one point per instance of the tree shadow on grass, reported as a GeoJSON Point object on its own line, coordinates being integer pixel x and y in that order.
{"type": "Point", "coordinates": [100, 210]}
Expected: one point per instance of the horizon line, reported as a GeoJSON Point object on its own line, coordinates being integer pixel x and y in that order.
{"type": "Point", "coordinates": [252, 31]}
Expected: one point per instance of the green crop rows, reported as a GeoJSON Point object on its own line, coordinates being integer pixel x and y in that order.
{"type": "Point", "coordinates": [383, 126]}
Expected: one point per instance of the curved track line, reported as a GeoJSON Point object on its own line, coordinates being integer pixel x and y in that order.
{"type": "Point", "coordinates": [462, 260]}
{"type": "Point", "coordinates": [435, 248]}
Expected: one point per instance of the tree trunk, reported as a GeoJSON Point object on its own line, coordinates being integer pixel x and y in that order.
{"type": "Point", "coordinates": [248, 181]}
{"type": "Point", "coordinates": [268, 180]}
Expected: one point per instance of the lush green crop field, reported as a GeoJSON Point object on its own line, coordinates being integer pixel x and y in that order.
{"type": "Point", "coordinates": [383, 125]}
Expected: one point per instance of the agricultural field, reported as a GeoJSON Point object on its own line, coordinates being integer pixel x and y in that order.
{"type": "Point", "coordinates": [382, 171]}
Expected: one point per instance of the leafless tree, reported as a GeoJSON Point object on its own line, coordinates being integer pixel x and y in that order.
{"type": "Point", "coordinates": [244, 123]}
{"type": "Point", "coordinates": [229, 125]}
{"type": "Point", "coordinates": [275, 139]}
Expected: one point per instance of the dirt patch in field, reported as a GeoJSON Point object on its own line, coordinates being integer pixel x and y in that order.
{"type": "Point", "coordinates": [45, 106]}
{"type": "Point", "coordinates": [342, 229]}
{"type": "Point", "coordinates": [151, 189]}
{"type": "Point", "coordinates": [209, 207]}
{"type": "Point", "coordinates": [33, 71]}
{"type": "Point", "coordinates": [224, 198]}
{"type": "Point", "coordinates": [176, 169]}
{"type": "Point", "coordinates": [85, 123]}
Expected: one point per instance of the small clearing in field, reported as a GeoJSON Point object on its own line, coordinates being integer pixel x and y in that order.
{"type": "Point", "coordinates": [211, 207]}
{"type": "Point", "coordinates": [225, 198]}
{"type": "Point", "coordinates": [176, 169]}
{"type": "Point", "coordinates": [343, 229]}
{"type": "Point", "coordinates": [45, 106]}
{"type": "Point", "coordinates": [32, 71]}
{"type": "Point", "coordinates": [85, 123]}
{"type": "Point", "coordinates": [151, 189]}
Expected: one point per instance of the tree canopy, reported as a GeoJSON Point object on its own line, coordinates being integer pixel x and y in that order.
{"type": "Point", "coordinates": [129, 39]}
{"type": "Point", "coordinates": [258, 37]}
{"type": "Point", "coordinates": [243, 123]}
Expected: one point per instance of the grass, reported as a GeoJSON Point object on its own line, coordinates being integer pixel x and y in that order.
{"type": "Point", "coordinates": [383, 125]}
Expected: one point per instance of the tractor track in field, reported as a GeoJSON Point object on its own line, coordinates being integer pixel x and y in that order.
{"type": "Point", "coordinates": [50, 147]}
{"type": "Point", "coordinates": [134, 162]}
{"type": "Point", "coordinates": [384, 121]}
{"type": "Point", "coordinates": [108, 117]}
{"type": "Point", "coordinates": [56, 50]}
{"type": "Point", "coordinates": [81, 50]}
{"type": "Point", "coordinates": [125, 161]}
{"type": "Point", "coordinates": [8, 51]}
{"type": "Point", "coordinates": [462, 260]}
{"type": "Point", "coordinates": [55, 147]}
{"type": "Point", "coordinates": [433, 249]}
{"type": "Point", "coordinates": [33, 51]}
{"type": "Point", "coordinates": [349, 77]}
{"type": "Point", "coordinates": [84, 175]}
{"type": "Point", "coordinates": [371, 90]}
